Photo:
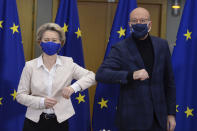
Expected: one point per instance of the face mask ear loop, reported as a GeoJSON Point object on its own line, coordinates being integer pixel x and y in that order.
{"type": "Point", "coordinates": [131, 29]}
{"type": "Point", "coordinates": [149, 28]}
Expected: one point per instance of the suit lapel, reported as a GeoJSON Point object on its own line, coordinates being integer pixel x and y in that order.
{"type": "Point", "coordinates": [135, 53]}
{"type": "Point", "coordinates": [156, 53]}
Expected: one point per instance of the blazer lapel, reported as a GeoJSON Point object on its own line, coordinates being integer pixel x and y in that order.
{"type": "Point", "coordinates": [156, 53]}
{"type": "Point", "coordinates": [135, 53]}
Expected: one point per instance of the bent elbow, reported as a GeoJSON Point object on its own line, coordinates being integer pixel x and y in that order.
{"type": "Point", "coordinates": [99, 76]}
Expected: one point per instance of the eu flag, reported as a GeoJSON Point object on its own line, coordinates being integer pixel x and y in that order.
{"type": "Point", "coordinates": [106, 96]}
{"type": "Point", "coordinates": [11, 65]}
{"type": "Point", "coordinates": [67, 17]}
{"type": "Point", "coordinates": [184, 61]}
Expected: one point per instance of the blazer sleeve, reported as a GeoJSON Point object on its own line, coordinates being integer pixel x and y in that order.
{"type": "Point", "coordinates": [110, 70]}
{"type": "Point", "coordinates": [169, 83]}
{"type": "Point", "coordinates": [84, 77]}
{"type": "Point", "coordinates": [24, 96]}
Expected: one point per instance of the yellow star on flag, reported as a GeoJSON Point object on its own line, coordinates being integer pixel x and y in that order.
{"type": "Point", "coordinates": [14, 95]}
{"type": "Point", "coordinates": [121, 32]}
{"type": "Point", "coordinates": [177, 108]}
{"type": "Point", "coordinates": [1, 24]}
{"type": "Point", "coordinates": [1, 100]}
{"type": "Point", "coordinates": [78, 33]}
{"type": "Point", "coordinates": [80, 98]}
{"type": "Point", "coordinates": [189, 112]}
{"type": "Point", "coordinates": [65, 28]}
{"type": "Point", "coordinates": [14, 28]}
{"type": "Point", "coordinates": [103, 103]}
{"type": "Point", "coordinates": [188, 35]}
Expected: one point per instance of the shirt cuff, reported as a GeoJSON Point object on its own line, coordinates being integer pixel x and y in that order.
{"type": "Point", "coordinates": [42, 103]}
{"type": "Point", "coordinates": [76, 87]}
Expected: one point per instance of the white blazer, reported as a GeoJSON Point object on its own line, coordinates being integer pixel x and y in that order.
{"type": "Point", "coordinates": [32, 89]}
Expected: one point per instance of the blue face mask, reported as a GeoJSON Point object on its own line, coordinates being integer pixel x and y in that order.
{"type": "Point", "coordinates": [50, 48]}
{"type": "Point", "coordinates": [139, 30]}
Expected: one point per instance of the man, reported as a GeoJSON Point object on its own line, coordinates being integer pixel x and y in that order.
{"type": "Point", "coordinates": [141, 64]}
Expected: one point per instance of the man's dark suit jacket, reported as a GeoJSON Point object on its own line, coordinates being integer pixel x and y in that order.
{"type": "Point", "coordinates": [139, 100]}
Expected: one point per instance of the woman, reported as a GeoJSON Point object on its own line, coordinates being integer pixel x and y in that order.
{"type": "Point", "coordinates": [45, 84]}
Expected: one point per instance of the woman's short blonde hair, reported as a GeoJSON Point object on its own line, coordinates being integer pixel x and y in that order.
{"type": "Point", "coordinates": [52, 27]}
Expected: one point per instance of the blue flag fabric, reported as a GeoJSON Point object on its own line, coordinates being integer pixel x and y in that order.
{"type": "Point", "coordinates": [67, 18]}
{"type": "Point", "coordinates": [184, 61]}
{"type": "Point", "coordinates": [106, 96]}
{"type": "Point", "coordinates": [11, 65]}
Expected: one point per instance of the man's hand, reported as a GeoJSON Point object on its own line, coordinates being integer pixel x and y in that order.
{"type": "Point", "coordinates": [171, 123]}
{"type": "Point", "coordinates": [49, 102]}
{"type": "Point", "coordinates": [140, 75]}
{"type": "Point", "coordinates": [67, 92]}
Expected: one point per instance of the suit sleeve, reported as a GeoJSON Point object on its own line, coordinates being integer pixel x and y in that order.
{"type": "Point", "coordinates": [85, 78]}
{"type": "Point", "coordinates": [169, 83]}
{"type": "Point", "coordinates": [110, 70]}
